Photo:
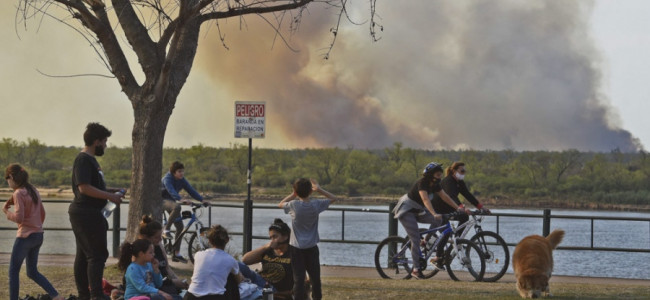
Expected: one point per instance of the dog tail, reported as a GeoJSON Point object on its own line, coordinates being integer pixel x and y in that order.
{"type": "Point", "coordinates": [555, 238]}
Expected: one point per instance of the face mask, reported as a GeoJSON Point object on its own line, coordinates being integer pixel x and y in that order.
{"type": "Point", "coordinates": [99, 150]}
{"type": "Point", "coordinates": [460, 176]}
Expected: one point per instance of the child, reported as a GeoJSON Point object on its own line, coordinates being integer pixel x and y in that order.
{"type": "Point", "coordinates": [29, 214]}
{"type": "Point", "coordinates": [304, 236]}
{"type": "Point", "coordinates": [142, 275]}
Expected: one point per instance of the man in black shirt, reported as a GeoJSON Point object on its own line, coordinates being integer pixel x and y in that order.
{"type": "Point", "coordinates": [88, 224]}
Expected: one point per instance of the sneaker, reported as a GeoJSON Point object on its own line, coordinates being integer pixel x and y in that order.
{"type": "Point", "coordinates": [166, 234]}
{"type": "Point", "coordinates": [438, 263]}
{"type": "Point", "coordinates": [179, 258]}
{"type": "Point", "coordinates": [417, 274]}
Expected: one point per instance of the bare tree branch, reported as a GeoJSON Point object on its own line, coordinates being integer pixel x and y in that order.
{"type": "Point", "coordinates": [138, 36]}
{"type": "Point", "coordinates": [72, 76]}
{"type": "Point", "coordinates": [253, 10]}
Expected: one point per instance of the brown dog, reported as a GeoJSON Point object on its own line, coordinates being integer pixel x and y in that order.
{"type": "Point", "coordinates": [533, 263]}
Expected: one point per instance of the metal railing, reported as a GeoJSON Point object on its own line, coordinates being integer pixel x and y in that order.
{"type": "Point", "coordinates": [546, 217]}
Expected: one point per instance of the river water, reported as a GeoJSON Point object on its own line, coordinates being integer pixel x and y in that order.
{"type": "Point", "coordinates": [374, 227]}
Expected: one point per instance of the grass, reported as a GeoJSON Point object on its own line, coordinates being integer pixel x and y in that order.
{"type": "Point", "coordinates": [355, 288]}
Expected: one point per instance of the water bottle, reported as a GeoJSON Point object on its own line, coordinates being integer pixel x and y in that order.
{"type": "Point", "coordinates": [110, 206]}
{"type": "Point", "coordinates": [267, 292]}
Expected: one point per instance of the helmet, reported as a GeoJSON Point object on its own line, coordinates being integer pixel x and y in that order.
{"type": "Point", "coordinates": [431, 168]}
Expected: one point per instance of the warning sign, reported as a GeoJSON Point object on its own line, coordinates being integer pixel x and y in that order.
{"type": "Point", "coordinates": [250, 119]}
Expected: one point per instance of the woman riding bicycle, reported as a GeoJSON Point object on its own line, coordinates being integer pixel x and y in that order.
{"type": "Point", "coordinates": [416, 207]}
{"type": "Point", "coordinates": [454, 184]}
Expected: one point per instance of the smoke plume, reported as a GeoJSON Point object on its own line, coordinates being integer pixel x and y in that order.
{"type": "Point", "coordinates": [520, 75]}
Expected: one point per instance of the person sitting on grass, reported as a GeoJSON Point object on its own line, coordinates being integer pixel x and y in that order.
{"type": "Point", "coordinates": [216, 274]}
{"type": "Point", "coordinates": [142, 274]}
{"type": "Point", "coordinates": [152, 230]}
{"type": "Point", "coordinates": [276, 262]}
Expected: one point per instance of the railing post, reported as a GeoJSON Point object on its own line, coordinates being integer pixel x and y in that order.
{"type": "Point", "coordinates": [592, 233]}
{"type": "Point", "coordinates": [210, 216]}
{"type": "Point", "coordinates": [392, 222]}
{"type": "Point", "coordinates": [116, 231]}
{"type": "Point", "coordinates": [343, 225]}
{"type": "Point", "coordinates": [546, 230]}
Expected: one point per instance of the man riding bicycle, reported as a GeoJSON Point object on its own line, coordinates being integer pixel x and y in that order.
{"type": "Point", "coordinates": [172, 183]}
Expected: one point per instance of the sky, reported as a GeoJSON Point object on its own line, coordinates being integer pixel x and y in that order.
{"type": "Point", "coordinates": [509, 74]}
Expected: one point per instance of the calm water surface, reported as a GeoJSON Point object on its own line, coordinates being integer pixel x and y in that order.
{"type": "Point", "coordinates": [374, 227]}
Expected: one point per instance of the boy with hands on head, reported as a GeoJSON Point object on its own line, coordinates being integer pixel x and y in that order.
{"type": "Point", "coordinates": [303, 243]}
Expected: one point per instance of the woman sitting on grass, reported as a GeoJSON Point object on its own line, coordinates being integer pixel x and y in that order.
{"type": "Point", "coordinates": [142, 275]}
{"type": "Point", "coordinates": [212, 269]}
{"type": "Point", "coordinates": [276, 262]}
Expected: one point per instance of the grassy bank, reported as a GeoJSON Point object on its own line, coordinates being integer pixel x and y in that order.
{"type": "Point", "coordinates": [355, 288]}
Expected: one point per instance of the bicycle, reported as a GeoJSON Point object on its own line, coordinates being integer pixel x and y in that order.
{"type": "Point", "coordinates": [494, 247]}
{"type": "Point", "coordinates": [393, 255]}
{"type": "Point", "coordinates": [197, 241]}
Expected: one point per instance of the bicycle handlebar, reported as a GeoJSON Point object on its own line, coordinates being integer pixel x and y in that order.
{"type": "Point", "coordinates": [197, 205]}
{"type": "Point", "coordinates": [456, 214]}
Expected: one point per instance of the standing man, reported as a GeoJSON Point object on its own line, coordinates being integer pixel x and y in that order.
{"type": "Point", "coordinates": [172, 183]}
{"type": "Point", "coordinates": [88, 224]}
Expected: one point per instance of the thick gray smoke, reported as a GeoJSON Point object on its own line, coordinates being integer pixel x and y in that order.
{"type": "Point", "coordinates": [521, 75]}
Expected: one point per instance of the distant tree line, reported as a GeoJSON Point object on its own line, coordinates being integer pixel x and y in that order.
{"type": "Point", "coordinates": [614, 177]}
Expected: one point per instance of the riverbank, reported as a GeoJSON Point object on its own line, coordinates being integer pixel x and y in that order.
{"type": "Point", "coordinates": [494, 202]}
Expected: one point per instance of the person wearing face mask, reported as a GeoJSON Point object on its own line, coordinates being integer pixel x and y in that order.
{"type": "Point", "coordinates": [454, 184]}
{"type": "Point", "coordinates": [88, 224]}
{"type": "Point", "coordinates": [416, 207]}
{"type": "Point", "coordinates": [275, 259]}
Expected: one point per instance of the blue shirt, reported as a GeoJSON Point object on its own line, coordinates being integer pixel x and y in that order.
{"type": "Point", "coordinates": [172, 186]}
{"type": "Point", "coordinates": [141, 280]}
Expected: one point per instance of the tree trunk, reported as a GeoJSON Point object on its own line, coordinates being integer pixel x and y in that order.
{"type": "Point", "coordinates": [148, 136]}
{"type": "Point", "coordinates": [151, 111]}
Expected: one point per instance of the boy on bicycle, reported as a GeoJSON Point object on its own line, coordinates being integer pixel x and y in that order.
{"type": "Point", "coordinates": [303, 243]}
{"type": "Point", "coordinates": [172, 183]}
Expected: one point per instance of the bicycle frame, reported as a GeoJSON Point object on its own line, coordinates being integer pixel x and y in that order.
{"type": "Point", "coordinates": [193, 220]}
{"type": "Point", "coordinates": [473, 222]}
{"type": "Point", "coordinates": [447, 229]}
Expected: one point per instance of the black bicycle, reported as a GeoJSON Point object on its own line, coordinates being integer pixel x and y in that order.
{"type": "Point", "coordinates": [462, 258]}
{"type": "Point", "coordinates": [196, 240]}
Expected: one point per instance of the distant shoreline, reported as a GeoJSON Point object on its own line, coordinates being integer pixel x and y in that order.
{"type": "Point", "coordinates": [503, 202]}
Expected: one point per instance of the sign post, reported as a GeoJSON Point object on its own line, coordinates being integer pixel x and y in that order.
{"type": "Point", "coordinates": [250, 122]}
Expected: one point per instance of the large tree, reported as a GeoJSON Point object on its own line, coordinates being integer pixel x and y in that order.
{"type": "Point", "coordinates": [164, 35]}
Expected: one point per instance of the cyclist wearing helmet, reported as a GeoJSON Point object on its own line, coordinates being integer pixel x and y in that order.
{"type": "Point", "coordinates": [416, 207]}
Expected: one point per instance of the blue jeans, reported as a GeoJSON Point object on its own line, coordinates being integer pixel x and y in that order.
{"type": "Point", "coordinates": [252, 275]}
{"type": "Point", "coordinates": [27, 248]}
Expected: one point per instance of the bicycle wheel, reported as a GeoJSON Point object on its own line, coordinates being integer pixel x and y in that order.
{"type": "Point", "coordinates": [388, 262]}
{"type": "Point", "coordinates": [465, 263]}
{"type": "Point", "coordinates": [169, 246]}
{"type": "Point", "coordinates": [194, 246]}
{"type": "Point", "coordinates": [496, 254]}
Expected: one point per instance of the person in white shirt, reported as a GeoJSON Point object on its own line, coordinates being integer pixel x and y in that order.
{"type": "Point", "coordinates": [212, 267]}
